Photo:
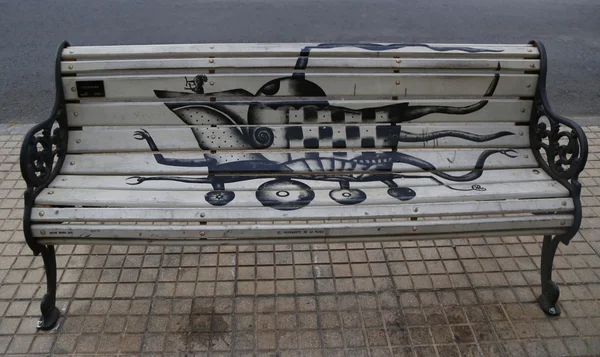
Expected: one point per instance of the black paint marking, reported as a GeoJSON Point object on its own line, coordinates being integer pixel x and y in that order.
{"type": "Point", "coordinates": [310, 113]}
{"type": "Point", "coordinates": [325, 132]}
{"type": "Point", "coordinates": [338, 116]}
{"type": "Point", "coordinates": [352, 132]}
{"type": "Point", "coordinates": [408, 137]}
{"type": "Point", "coordinates": [492, 88]}
{"type": "Point", "coordinates": [339, 144]}
{"type": "Point", "coordinates": [367, 143]}
{"type": "Point", "coordinates": [312, 143]}
{"type": "Point", "coordinates": [294, 133]}
{"type": "Point", "coordinates": [368, 115]}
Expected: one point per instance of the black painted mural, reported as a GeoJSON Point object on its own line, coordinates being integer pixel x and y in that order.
{"type": "Point", "coordinates": [284, 190]}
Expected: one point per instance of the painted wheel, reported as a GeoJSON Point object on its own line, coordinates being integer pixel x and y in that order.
{"type": "Point", "coordinates": [402, 193]}
{"type": "Point", "coordinates": [219, 197]}
{"type": "Point", "coordinates": [347, 196]}
{"type": "Point", "coordinates": [285, 195]}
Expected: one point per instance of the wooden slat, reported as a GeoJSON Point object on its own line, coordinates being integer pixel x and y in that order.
{"type": "Point", "coordinates": [555, 205]}
{"type": "Point", "coordinates": [292, 49]}
{"type": "Point", "coordinates": [120, 182]}
{"type": "Point", "coordinates": [461, 135]}
{"type": "Point", "coordinates": [290, 64]}
{"type": "Point", "coordinates": [298, 162]}
{"type": "Point", "coordinates": [196, 199]}
{"type": "Point", "coordinates": [285, 231]}
{"type": "Point", "coordinates": [309, 240]}
{"type": "Point", "coordinates": [117, 114]}
{"type": "Point", "coordinates": [334, 84]}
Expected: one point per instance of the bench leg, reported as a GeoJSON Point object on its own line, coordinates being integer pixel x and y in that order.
{"type": "Point", "coordinates": [550, 291]}
{"type": "Point", "coordinates": [50, 312]}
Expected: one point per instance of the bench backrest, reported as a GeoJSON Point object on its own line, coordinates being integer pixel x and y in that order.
{"type": "Point", "coordinates": [247, 109]}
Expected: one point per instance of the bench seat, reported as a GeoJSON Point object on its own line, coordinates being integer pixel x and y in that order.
{"type": "Point", "coordinates": [301, 143]}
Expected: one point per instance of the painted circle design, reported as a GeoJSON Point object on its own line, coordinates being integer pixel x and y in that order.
{"type": "Point", "coordinates": [347, 196]}
{"type": "Point", "coordinates": [402, 193]}
{"type": "Point", "coordinates": [219, 197]}
{"type": "Point", "coordinates": [284, 194]}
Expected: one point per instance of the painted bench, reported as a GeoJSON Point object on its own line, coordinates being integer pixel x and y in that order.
{"type": "Point", "coordinates": [300, 143]}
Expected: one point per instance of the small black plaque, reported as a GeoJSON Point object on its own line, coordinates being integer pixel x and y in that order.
{"type": "Point", "coordinates": [87, 89]}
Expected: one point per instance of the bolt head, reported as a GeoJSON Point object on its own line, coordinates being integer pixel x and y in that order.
{"type": "Point", "coordinates": [562, 223]}
{"type": "Point", "coordinates": [41, 213]}
{"type": "Point", "coordinates": [73, 89]}
{"type": "Point", "coordinates": [528, 86]}
{"type": "Point", "coordinates": [72, 163]}
{"type": "Point", "coordinates": [564, 203]}
{"type": "Point", "coordinates": [42, 232]}
{"type": "Point", "coordinates": [75, 114]}
{"type": "Point", "coordinates": [211, 60]}
{"type": "Point", "coordinates": [202, 214]}
{"type": "Point", "coordinates": [415, 209]}
{"type": "Point", "coordinates": [398, 60]}
{"type": "Point", "coordinates": [526, 156]}
{"type": "Point", "coordinates": [397, 83]}
{"type": "Point", "coordinates": [415, 228]}
{"type": "Point", "coordinates": [212, 83]}
{"type": "Point", "coordinates": [522, 110]}
{"type": "Point", "coordinates": [78, 141]}
{"type": "Point", "coordinates": [529, 50]}
{"type": "Point", "coordinates": [532, 65]}
{"type": "Point", "coordinates": [50, 192]}
{"type": "Point", "coordinates": [202, 234]}
{"type": "Point", "coordinates": [70, 66]}
{"type": "Point", "coordinates": [521, 132]}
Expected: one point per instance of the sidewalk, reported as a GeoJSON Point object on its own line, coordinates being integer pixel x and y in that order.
{"type": "Point", "coordinates": [462, 297]}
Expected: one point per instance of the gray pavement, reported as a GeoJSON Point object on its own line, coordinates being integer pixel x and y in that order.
{"type": "Point", "coordinates": [30, 30]}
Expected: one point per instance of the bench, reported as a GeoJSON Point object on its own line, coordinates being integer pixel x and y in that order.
{"type": "Point", "coordinates": [300, 143]}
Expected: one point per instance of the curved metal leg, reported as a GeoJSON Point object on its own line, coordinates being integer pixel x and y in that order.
{"type": "Point", "coordinates": [550, 291]}
{"type": "Point", "coordinates": [50, 312]}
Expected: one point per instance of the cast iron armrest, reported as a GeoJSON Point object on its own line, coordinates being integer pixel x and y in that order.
{"type": "Point", "coordinates": [43, 152]}
{"type": "Point", "coordinates": [559, 145]}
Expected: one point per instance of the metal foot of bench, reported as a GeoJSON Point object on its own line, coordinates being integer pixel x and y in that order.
{"type": "Point", "coordinates": [50, 313]}
{"type": "Point", "coordinates": [550, 291]}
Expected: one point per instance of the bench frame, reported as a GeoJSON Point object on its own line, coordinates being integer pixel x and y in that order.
{"type": "Point", "coordinates": [45, 147]}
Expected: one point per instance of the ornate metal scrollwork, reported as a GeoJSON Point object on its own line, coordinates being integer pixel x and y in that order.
{"type": "Point", "coordinates": [564, 145]}
{"type": "Point", "coordinates": [559, 144]}
{"type": "Point", "coordinates": [43, 152]}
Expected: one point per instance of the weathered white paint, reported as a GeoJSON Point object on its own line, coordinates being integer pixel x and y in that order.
{"type": "Point", "coordinates": [225, 214]}
{"type": "Point", "coordinates": [99, 140]}
{"type": "Point", "coordinates": [403, 85]}
{"type": "Point", "coordinates": [287, 49]}
{"type": "Point", "coordinates": [288, 63]}
{"type": "Point", "coordinates": [121, 113]}
{"type": "Point", "coordinates": [195, 199]}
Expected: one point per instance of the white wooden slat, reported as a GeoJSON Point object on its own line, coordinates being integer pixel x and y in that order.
{"type": "Point", "coordinates": [334, 84]}
{"type": "Point", "coordinates": [96, 140]}
{"type": "Point", "coordinates": [554, 205]}
{"type": "Point", "coordinates": [196, 199]}
{"type": "Point", "coordinates": [288, 49]}
{"type": "Point", "coordinates": [274, 241]}
{"type": "Point", "coordinates": [298, 161]}
{"type": "Point", "coordinates": [73, 67]}
{"type": "Point", "coordinates": [284, 231]}
{"type": "Point", "coordinates": [120, 182]}
{"type": "Point", "coordinates": [117, 114]}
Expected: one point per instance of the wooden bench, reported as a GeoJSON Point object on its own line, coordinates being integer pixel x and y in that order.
{"type": "Point", "coordinates": [300, 143]}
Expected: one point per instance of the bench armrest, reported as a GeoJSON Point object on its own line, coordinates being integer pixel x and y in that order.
{"type": "Point", "coordinates": [45, 145]}
{"type": "Point", "coordinates": [43, 152]}
{"type": "Point", "coordinates": [559, 144]}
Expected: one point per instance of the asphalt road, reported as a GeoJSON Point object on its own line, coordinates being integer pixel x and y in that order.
{"type": "Point", "coordinates": [30, 30]}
